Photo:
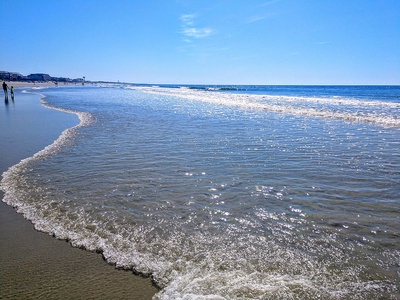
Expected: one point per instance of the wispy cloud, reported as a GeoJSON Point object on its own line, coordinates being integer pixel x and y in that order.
{"type": "Point", "coordinates": [267, 3]}
{"type": "Point", "coordinates": [197, 32]}
{"type": "Point", "coordinates": [255, 19]}
{"type": "Point", "coordinates": [190, 31]}
{"type": "Point", "coordinates": [258, 18]}
{"type": "Point", "coordinates": [188, 19]}
{"type": "Point", "coordinates": [322, 43]}
{"type": "Point", "coordinates": [266, 15]}
{"type": "Point", "coordinates": [292, 54]}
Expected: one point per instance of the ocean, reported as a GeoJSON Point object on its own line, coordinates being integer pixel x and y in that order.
{"type": "Point", "coordinates": [226, 192]}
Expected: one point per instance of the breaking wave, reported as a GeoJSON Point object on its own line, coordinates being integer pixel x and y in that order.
{"type": "Point", "coordinates": [340, 108]}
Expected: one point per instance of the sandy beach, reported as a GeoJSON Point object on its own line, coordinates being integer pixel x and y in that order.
{"type": "Point", "coordinates": [35, 265]}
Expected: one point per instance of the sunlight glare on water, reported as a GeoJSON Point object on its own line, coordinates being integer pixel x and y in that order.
{"type": "Point", "coordinates": [224, 195]}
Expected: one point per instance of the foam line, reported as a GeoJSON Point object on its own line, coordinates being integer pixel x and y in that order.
{"type": "Point", "coordinates": [289, 104]}
{"type": "Point", "coordinates": [6, 185]}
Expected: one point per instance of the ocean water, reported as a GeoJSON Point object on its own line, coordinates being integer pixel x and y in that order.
{"type": "Point", "coordinates": [227, 192]}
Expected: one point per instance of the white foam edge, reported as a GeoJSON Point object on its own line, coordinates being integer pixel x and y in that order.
{"type": "Point", "coordinates": [333, 100]}
{"type": "Point", "coordinates": [85, 119]}
{"type": "Point", "coordinates": [250, 101]}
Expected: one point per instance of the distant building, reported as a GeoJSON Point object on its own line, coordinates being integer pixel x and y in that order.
{"type": "Point", "coordinates": [39, 77]}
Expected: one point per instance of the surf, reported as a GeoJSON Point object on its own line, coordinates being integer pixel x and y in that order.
{"type": "Point", "coordinates": [378, 112]}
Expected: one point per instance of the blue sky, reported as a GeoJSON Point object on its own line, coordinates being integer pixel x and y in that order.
{"type": "Point", "coordinates": [203, 41]}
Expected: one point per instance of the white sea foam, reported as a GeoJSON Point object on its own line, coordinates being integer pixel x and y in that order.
{"type": "Point", "coordinates": [294, 105]}
{"type": "Point", "coordinates": [8, 180]}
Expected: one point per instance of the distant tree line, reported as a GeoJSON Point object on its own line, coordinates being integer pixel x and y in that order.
{"type": "Point", "coordinates": [40, 77]}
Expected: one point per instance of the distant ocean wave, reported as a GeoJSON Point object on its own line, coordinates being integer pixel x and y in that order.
{"type": "Point", "coordinates": [341, 108]}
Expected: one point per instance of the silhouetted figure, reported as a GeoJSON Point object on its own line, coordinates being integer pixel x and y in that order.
{"type": "Point", "coordinates": [5, 86]}
{"type": "Point", "coordinates": [12, 93]}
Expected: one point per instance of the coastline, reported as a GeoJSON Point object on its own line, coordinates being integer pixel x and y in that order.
{"type": "Point", "coordinates": [34, 264]}
{"type": "Point", "coordinates": [21, 84]}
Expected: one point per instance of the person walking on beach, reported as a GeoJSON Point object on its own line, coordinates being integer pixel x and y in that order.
{"type": "Point", "coordinates": [12, 93]}
{"type": "Point", "coordinates": [5, 86]}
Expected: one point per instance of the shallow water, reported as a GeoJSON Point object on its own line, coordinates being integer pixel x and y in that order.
{"type": "Point", "coordinates": [249, 194]}
{"type": "Point", "coordinates": [35, 265]}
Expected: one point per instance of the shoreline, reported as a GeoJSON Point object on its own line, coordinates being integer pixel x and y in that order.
{"type": "Point", "coordinates": [18, 84]}
{"type": "Point", "coordinates": [35, 264]}
{"type": "Point", "coordinates": [22, 84]}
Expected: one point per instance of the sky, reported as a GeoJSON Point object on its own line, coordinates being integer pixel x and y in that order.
{"type": "Point", "coordinates": [269, 42]}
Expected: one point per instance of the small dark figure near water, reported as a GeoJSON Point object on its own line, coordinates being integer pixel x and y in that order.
{"type": "Point", "coordinates": [12, 93]}
{"type": "Point", "coordinates": [5, 86]}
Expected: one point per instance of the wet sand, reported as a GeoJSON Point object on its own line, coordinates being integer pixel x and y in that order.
{"type": "Point", "coordinates": [35, 265]}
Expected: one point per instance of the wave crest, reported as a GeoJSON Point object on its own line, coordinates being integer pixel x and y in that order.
{"type": "Point", "coordinates": [346, 109]}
